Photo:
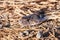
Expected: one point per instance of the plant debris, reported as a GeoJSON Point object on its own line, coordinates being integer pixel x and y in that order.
{"type": "Point", "coordinates": [29, 19]}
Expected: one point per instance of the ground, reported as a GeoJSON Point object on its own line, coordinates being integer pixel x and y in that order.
{"type": "Point", "coordinates": [11, 11]}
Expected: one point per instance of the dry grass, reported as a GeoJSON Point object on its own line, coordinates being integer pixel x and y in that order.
{"type": "Point", "coordinates": [11, 11]}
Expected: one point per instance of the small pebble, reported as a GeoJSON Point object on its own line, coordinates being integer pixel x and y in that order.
{"type": "Point", "coordinates": [27, 32]}
{"type": "Point", "coordinates": [0, 25]}
{"type": "Point", "coordinates": [20, 34]}
{"type": "Point", "coordinates": [52, 0]}
{"type": "Point", "coordinates": [39, 34]}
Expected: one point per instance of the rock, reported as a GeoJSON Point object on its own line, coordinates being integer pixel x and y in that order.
{"type": "Point", "coordinates": [52, 0]}
{"type": "Point", "coordinates": [20, 34]}
{"type": "Point", "coordinates": [33, 19]}
{"type": "Point", "coordinates": [26, 32]}
{"type": "Point", "coordinates": [1, 25]}
{"type": "Point", "coordinates": [45, 3]}
{"type": "Point", "coordinates": [39, 34]}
